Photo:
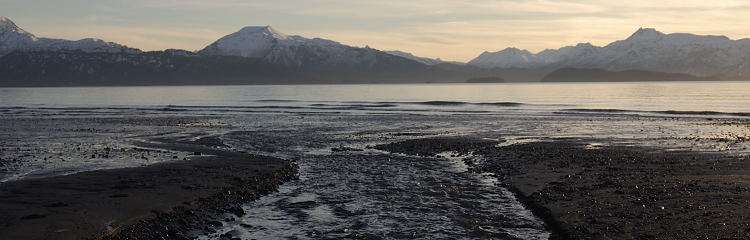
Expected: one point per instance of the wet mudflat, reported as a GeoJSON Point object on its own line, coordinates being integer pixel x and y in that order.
{"type": "Point", "coordinates": [168, 200]}
{"type": "Point", "coordinates": [587, 191]}
{"type": "Point", "coordinates": [375, 177]}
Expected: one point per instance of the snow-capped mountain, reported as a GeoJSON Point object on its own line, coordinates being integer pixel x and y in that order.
{"type": "Point", "coordinates": [253, 55]}
{"type": "Point", "coordinates": [508, 58]}
{"type": "Point", "coordinates": [13, 38]}
{"type": "Point", "coordinates": [569, 53]}
{"type": "Point", "coordinates": [254, 42]}
{"type": "Point", "coordinates": [262, 55]}
{"type": "Point", "coordinates": [646, 49]}
{"type": "Point", "coordinates": [275, 47]}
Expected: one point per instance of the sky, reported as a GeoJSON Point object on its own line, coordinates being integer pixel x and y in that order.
{"type": "Point", "coordinates": [456, 30]}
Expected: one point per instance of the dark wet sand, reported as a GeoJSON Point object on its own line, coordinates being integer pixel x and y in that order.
{"type": "Point", "coordinates": [615, 192]}
{"type": "Point", "coordinates": [167, 200]}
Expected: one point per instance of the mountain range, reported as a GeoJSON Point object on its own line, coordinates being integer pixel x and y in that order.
{"type": "Point", "coordinates": [263, 55]}
{"type": "Point", "coordinates": [13, 38]}
{"type": "Point", "coordinates": [647, 49]}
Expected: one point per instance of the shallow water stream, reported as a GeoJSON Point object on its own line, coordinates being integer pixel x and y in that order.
{"type": "Point", "coordinates": [379, 195]}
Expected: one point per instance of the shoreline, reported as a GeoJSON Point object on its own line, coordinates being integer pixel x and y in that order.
{"type": "Point", "coordinates": [174, 199]}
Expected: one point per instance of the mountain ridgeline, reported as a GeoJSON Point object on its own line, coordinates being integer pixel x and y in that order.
{"type": "Point", "coordinates": [263, 55]}
{"type": "Point", "coordinates": [646, 50]}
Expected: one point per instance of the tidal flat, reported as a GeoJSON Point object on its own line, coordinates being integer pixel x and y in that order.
{"type": "Point", "coordinates": [373, 176]}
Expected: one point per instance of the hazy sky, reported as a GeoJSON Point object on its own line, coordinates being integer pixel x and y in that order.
{"type": "Point", "coordinates": [449, 29]}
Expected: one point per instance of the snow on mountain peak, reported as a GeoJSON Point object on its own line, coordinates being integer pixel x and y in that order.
{"type": "Point", "coordinates": [13, 38]}
{"type": "Point", "coordinates": [251, 41]}
{"type": "Point", "coordinates": [7, 25]}
{"type": "Point", "coordinates": [646, 33]}
{"type": "Point", "coordinates": [507, 58]}
{"type": "Point", "coordinates": [5, 20]}
{"type": "Point", "coordinates": [646, 49]}
{"type": "Point", "coordinates": [292, 50]}
{"type": "Point", "coordinates": [264, 30]}
{"type": "Point", "coordinates": [513, 50]}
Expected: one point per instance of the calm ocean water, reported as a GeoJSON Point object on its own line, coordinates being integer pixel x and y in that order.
{"type": "Point", "coordinates": [703, 98]}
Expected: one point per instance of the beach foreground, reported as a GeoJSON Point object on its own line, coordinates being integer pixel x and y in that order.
{"type": "Point", "coordinates": [365, 176]}
{"type": "Point", "coordinates": [168, 200]}
{"type": "Point", "coordinates": [585, 191]}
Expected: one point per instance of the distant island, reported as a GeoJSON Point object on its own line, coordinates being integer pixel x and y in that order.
{"type": "Point", "coordinates": [263, 55]}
